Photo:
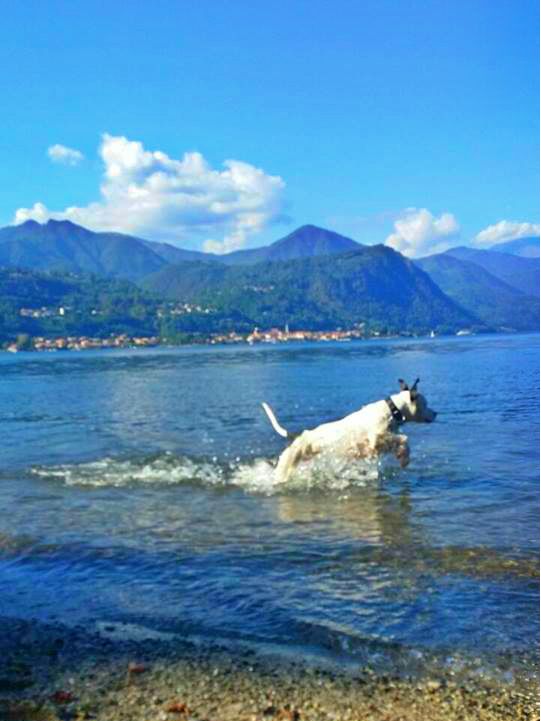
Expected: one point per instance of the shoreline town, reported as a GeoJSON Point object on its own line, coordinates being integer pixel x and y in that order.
{"type": "Point", "coordinates": [274, 335]}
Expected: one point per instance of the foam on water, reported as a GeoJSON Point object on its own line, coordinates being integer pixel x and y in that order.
{"type": "Point", "coordinates": [165, 469]}
{"type": "Point", "coordinates": [257, 476]}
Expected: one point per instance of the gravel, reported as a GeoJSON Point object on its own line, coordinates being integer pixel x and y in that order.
{"type": "Point", "coordinates": [52, 673]}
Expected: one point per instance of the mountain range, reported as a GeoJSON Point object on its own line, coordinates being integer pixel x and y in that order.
{"type": "Point", "coordinates": [61, 245]}
{"type": "Point", "coordinates": [311, 278]}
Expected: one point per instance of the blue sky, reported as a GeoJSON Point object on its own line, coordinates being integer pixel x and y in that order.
{"type": "Point", "coordinates": [414, 123]}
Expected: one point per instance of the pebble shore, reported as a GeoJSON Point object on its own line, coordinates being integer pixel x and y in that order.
{"type": "Point", "coordinates": [51, 673]}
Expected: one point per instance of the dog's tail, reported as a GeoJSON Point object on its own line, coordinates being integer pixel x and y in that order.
{"type": "Point", "coordinates": [274, 423]}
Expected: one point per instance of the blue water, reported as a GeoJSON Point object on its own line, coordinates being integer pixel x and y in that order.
{"type": "Point", "coordinates": [136, 488]}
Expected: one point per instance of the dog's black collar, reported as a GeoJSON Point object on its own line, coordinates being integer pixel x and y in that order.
{"type": "Point", "coordinates": [396, 414]}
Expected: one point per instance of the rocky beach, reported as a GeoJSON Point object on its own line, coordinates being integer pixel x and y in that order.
{"type": "Point", "coordinates": [52, 673]}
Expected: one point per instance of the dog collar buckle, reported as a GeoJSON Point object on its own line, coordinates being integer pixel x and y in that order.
{"type": "Point", "coordinates": [396, 414]}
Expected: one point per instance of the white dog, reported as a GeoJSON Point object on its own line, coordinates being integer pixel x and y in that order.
{"type": "Point", "coordinates": [367, 433]}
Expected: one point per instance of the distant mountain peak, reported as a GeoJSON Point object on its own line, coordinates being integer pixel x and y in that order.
{"type": "Point", "coordinates": [310, 231]}
{"type": "Point", "coordinates": [52, 223]}
{"type": "Point", "coordinates": [31, 223]}
{"type": "Point", "coordinates": [303, 242]}
{"type": "Point", "coordinates": [309, 228]}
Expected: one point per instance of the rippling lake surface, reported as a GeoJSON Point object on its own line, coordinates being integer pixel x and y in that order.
{"type": "Point", "coordinates": [136, 491]}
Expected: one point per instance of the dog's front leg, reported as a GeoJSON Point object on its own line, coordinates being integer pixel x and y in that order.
{"type": "Point", "coordinates": [395, 444]}
{"type": "Point", "coordinates": [402, 450]}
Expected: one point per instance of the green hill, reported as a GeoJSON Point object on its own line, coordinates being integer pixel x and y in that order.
{"type": "Point", "coordinates": [90, 305]}
{"type": "Point", "coordinates": [520, 273]}
{"type": "Point", "coordinates": [373, 285]}
{"type": "Point", "coordinates": [495, 303]}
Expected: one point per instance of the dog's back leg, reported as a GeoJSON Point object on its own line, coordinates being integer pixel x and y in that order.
{"type": "Point", "coordinates": [289, 460]}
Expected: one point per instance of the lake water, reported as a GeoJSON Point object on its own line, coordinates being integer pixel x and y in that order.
{"type": "Point", "coordinates": [136, 492]}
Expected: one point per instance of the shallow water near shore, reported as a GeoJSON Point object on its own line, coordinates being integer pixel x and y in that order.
{"type": "Point", "coordinates": [138, 498]}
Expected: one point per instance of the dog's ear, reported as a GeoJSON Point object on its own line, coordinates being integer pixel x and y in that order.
{"type": "Point", "coordinates": [413, 390]}
{"type": "Point", "coordinates": [403, 385]}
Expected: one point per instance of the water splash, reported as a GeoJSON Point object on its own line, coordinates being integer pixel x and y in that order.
{"type": "Point", "coordinates": [256, 476]}
{"type": "Point", "coordinates": [165, 469]}
{"type": "Point", "coordinates": [322, 473]}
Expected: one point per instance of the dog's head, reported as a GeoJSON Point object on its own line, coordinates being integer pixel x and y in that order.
{"type": "Point", "coordinates": [414, 406]}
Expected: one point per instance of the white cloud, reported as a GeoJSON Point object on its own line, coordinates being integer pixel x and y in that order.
{"type": "Point", "coordinates": [150, 194]}
{"type": "Point", "coordinates": [504, 230]}
{"type": "Point", "coordinates": [417, 232]}
{"type": "Point", "coordinates": [62, 154]}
